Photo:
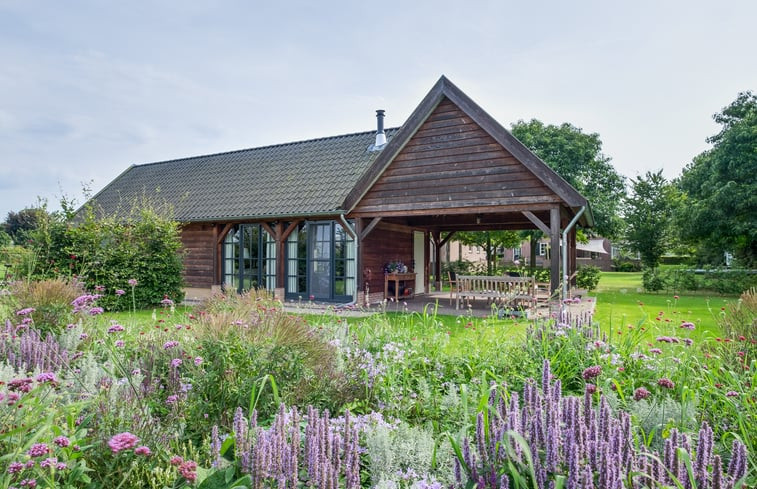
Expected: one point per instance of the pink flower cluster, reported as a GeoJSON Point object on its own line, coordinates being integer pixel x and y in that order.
{"type": "Point", "coordinates": [640, 393]}
{"type": "Point", "coordinates": [38, 450]}
{"type": "Point", "coordinates": [592, 372]}
{"type": "Point", "coordinates": [122, 441]}
{"type": "Point", "coordinates": [187, 469]}
{"type": "Point", "coordinates": [666, 383]}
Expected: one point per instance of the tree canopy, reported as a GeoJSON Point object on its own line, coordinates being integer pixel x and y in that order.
{"type": "Point", "coordinates": [577, 157]}
{"type": "Point", "coordinates": [648, 214]}
{"type": "Point", "coordinates": [720, 186]}
{"type": "Point", "coordinates": [490, 241]}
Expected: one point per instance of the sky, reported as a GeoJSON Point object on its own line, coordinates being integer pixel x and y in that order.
{"type": "Point", "coordinates": [88, 88]}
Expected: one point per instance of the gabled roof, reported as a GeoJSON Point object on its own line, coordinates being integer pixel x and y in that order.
{"type": "Point", "coordinates": [305, 178]}
{"type": "Point", "coordinates": [445, 88]}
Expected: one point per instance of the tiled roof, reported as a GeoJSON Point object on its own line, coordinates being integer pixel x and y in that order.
{"type": "Point", "coordinates": [293, 179]}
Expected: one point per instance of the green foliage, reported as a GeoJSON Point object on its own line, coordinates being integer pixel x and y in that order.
{"type": "Point", "coordinates": [106, 252]}
{"type": "Point", "coordinates": [720, 280]}
{"type": "Point", "coordinates": [653, 280]}
{"type": "Point", "coordinates": [252, 352]}
{"type": "Point", "coordinates": [5, 239]}
{"type": "Point", "coordinates": [588, 277]}
{"type": "Point", "coordinates": [648, 213]}
{"type": "Point", "coordinates": [17, 225]}
{"type": "Point", "coordinates": [720, 188]}
{"type": "Point", "coordinates": [577, 157]}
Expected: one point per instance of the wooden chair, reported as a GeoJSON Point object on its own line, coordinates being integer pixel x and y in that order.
{"type": "Point", "coordinates": [452, 281]}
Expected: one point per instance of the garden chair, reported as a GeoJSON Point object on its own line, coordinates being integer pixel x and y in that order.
{"type": "Point", "coordinates": [452, 281]}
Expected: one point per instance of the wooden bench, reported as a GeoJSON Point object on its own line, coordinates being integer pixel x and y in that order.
{"type": "Point", "coordinates": [515, 292]}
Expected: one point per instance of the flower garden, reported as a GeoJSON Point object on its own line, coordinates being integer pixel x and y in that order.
{"type": "Point", "coordinates": [236, 392]}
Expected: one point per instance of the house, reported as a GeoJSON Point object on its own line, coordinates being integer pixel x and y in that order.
{"type": "Point", "coordinates": [320, 218]}
{"type": "Point", "coordinates": [595, 252]}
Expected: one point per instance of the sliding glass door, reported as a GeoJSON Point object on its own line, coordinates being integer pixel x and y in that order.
{"type": "Point", "coordinates": [320, 263]}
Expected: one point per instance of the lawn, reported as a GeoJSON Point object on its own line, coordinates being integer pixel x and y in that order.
{"type": "Point", "coordinates": [621, 301]}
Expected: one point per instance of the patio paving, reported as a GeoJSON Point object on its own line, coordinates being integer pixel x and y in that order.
{"type": "Point", "coordinates": [435, 302]}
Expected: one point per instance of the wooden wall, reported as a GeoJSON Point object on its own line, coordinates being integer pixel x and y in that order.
{"type": "Point", "coordinates": [451, 162]}
{"type": "Point", "coordinates": [199, 246]}
{"type": "Point", "coordinates": [384, 244]}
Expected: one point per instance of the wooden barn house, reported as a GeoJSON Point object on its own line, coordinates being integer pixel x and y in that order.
{"type": "Point", "coordinates": [320, 219]}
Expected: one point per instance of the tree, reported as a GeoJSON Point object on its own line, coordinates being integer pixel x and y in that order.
{"type": "Point", "coordinates": [490, 241]}
{"type": "Point", "coordinates": [18, 224]}
{"type": "Point", "coordinates": [721, 189]}
{"type": "Point", "coordinates": [577, 157]}
{"type": "Point", "coordinates": [648, 213]}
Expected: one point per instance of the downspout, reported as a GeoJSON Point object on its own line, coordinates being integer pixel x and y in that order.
{"type": "Point", "coordinates": [565, 253]}
{"type": "Point", "coordinates": [351, 230]}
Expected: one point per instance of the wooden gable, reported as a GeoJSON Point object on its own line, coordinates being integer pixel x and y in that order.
{"type": "Point", "coordinates": [451, 164]}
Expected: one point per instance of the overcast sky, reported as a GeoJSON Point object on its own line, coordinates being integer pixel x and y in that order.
{"type": "Point", "coordinates": [88, 88]}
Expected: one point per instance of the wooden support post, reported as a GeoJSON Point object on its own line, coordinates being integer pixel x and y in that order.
{"type": "Point", "coordinates": [437, 240]}
{"type": "Point", "coordinates": [216, 257]}
{"type": "Point", "coordinates": [280, 254]}
{"type": "Point", "coordinates": [554, 249]}
{"type": "Point", "coordinates": [360, 279]}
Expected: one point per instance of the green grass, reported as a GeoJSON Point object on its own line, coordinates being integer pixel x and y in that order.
{"type": "Point", "coordinates": [621, 301]}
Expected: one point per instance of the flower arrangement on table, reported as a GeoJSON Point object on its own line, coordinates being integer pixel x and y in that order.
{"type": "Point", "coordinates": [395, 267]}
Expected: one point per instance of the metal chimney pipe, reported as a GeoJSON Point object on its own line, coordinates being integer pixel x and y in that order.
{"type": "Point", "coordinates": [380, 134]}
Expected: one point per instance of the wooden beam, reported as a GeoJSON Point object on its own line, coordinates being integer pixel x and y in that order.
{"type": "Point", "coordinates": [292, 226]}
{"type": "Point", "coordinates": [268, 229]}
{"type": "Point", "coordinates": [369, 227]}
{"type": "Point", "coordinates": [447, 238]}
{"type": "Point", "coordinates": [537, 222]}
{"type": "Point", "coordinates": [223, 232]}
{"type": "Point", "coordinates": [554, 252]}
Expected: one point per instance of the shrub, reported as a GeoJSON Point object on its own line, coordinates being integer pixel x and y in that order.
{"type": "Point", "coordinates": [588, 277]}
{"type": "Point", "coordinates": [106, 252]}
{"type": "Point", "coordinates": [625, 265]}
{"type": "Point", "coordinates": [652, 280]}
{"type": "Point", "coordinates": [51, 300]}
{"type": "Point", "coordinates": [256, 355]}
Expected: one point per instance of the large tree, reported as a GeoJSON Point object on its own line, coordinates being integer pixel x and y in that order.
{"type": "Point", "coordinates": [648, 213]}
{"type": "Point", "coordinates": [19, 224]}
{"type": "Point", "coordinates": [577, 157]}
{"type": "Point", "coordinates": [721, 186]}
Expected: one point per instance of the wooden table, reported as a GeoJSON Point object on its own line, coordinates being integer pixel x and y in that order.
{"type": "Point", "coordinates": [397, 278]}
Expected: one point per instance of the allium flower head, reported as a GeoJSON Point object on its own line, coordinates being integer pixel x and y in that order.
{"type": "Point", "coordinates": [38, 450]}
{"type": "Point", "coordinates": [120, 292]}
{"type": "Point", "coordinates": [666, 383]}
{"type": "Point", "coordinates": [115, 328]}
{"type": "Point", "coordinates": [62, 441]}
{"type": "Point", "coordinates": [176, 362]}
{"type": "Point", "coordinates": [640, 393]}
{"type": "Point", "coordinates": [592, 372]}
{"type": "Point", "coordinates": [143, 450]}
{"type": "Point", "coordinates": [47, 377]}
{"type": "Point", "coordinates": [122, 441]}
{"type": "Point", "coordinates": [132, 282]}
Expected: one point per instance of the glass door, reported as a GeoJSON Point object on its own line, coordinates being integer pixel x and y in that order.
{"type": "Point", "coordinates": [320, 261]}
